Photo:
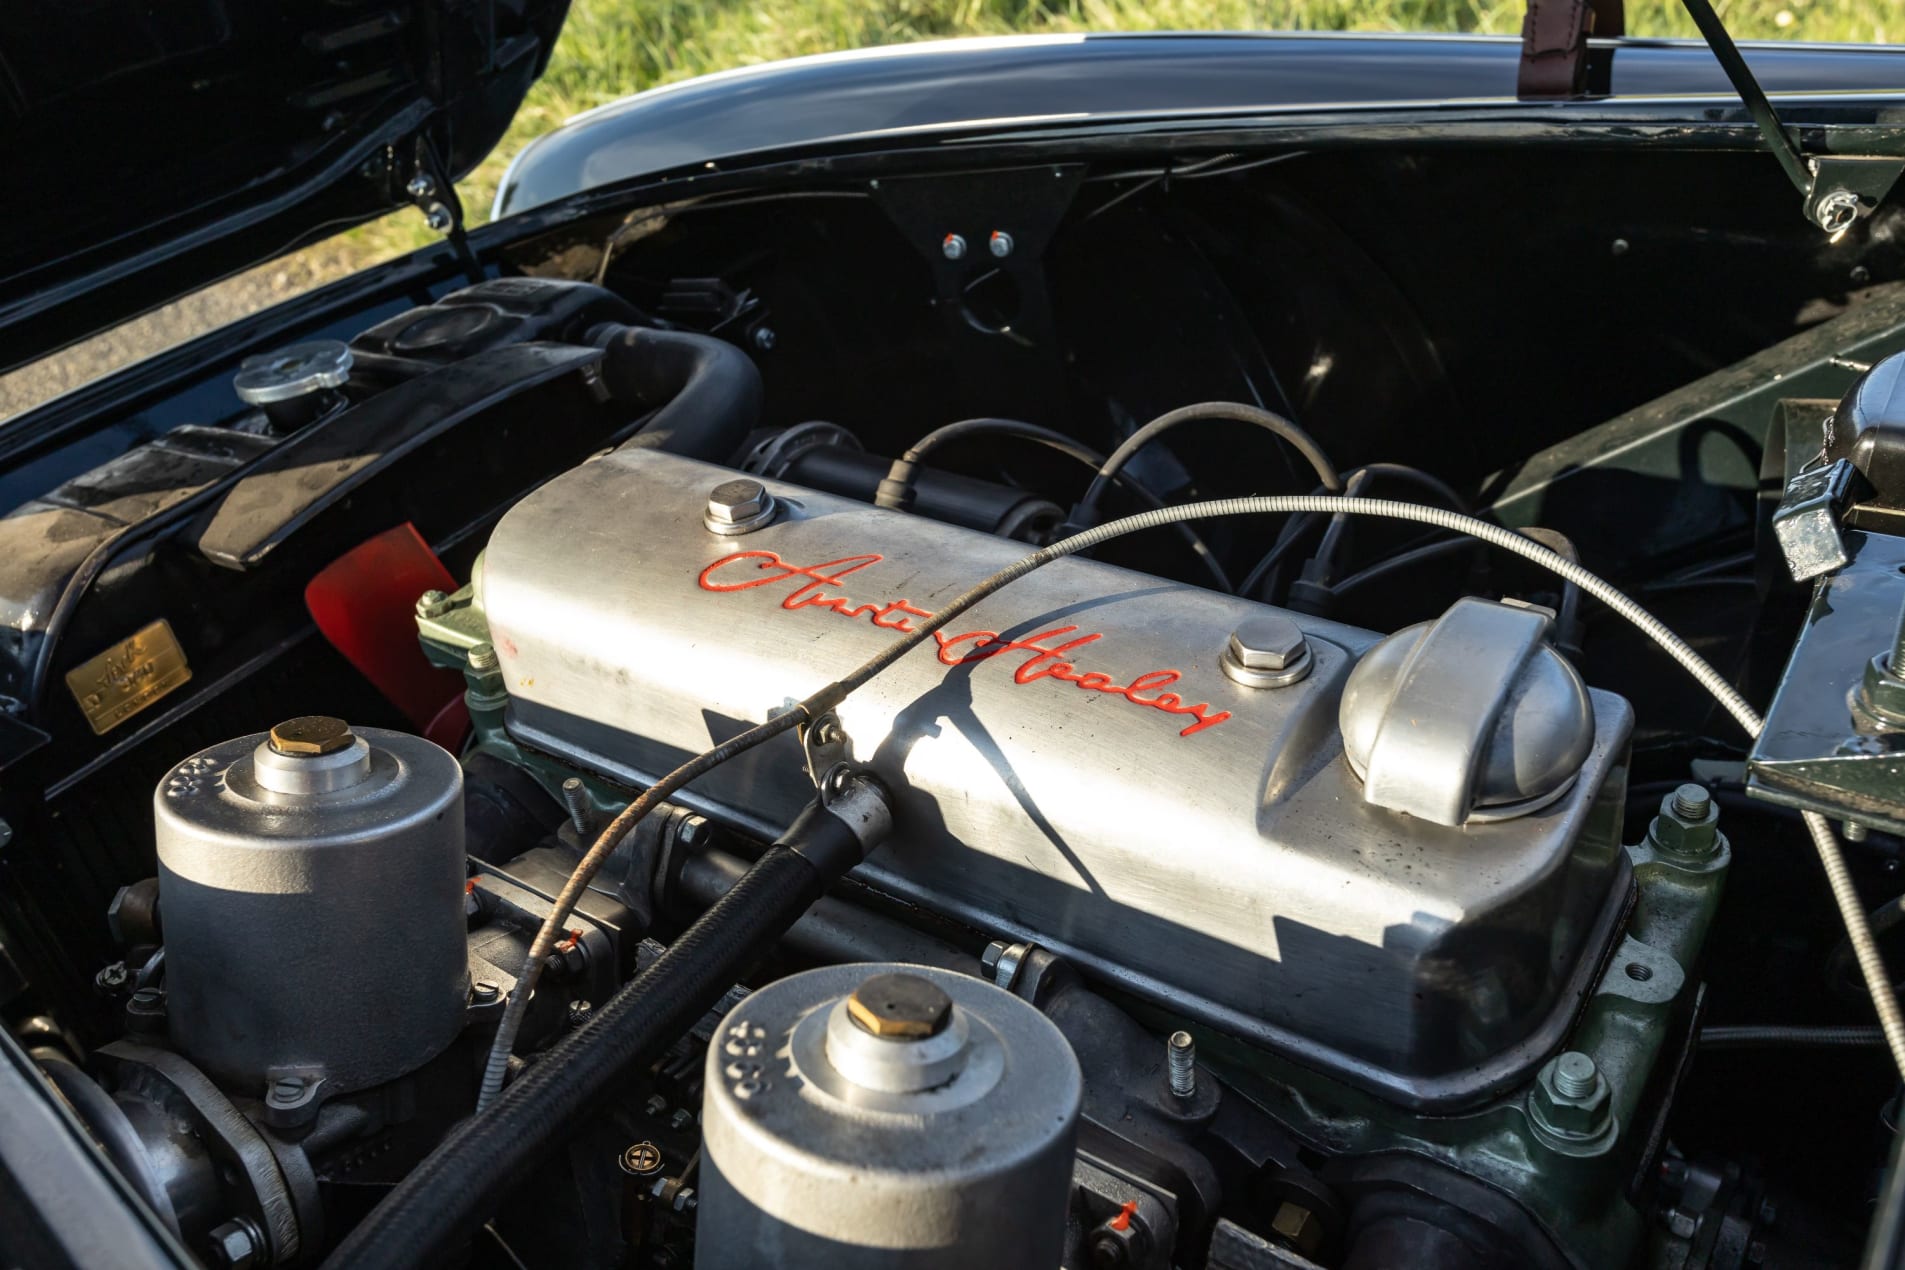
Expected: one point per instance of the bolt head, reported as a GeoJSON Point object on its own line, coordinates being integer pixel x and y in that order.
{"type": "Point", "coordinates": [113, 977]}
{"type": "Point", "coordinates": [438, 218]}
{"type": "Point", "coordinates": [1268, 642]}
{"type": "Point", "coordinates": [234, 1246]}
{"type": "Point", "coordinates": [580, 1012]}
{"type": "Point", "coordinates": [1113, 1249]}
{"type": "Point", "coordinates": [1000, 244]}
{"type": "Point", "coordinates": [989, 959]}
{"type": "Point", "coordinates": [310, 735]}
{"type": "Point", "coordinates": [735, 501]}
{"type": "Point", "coordinates": [114, 922]}
{"type": "Point", "coordinates": [483, 657]}
{"type": "Point", "coordinates": [953, 247]}
{"type": "Point", "coordinates": [420, 186]}
{"type": "Point", "coordinates": [900, 1006]}
{"type": "Point", "coordinates": [483, 992]}
{"type": "Point", "coordinates": [432, 604]}
{"type": "Point", "coordinates": [765, 339]}
{"type": "Point", "coordinates": [1298, 1227]}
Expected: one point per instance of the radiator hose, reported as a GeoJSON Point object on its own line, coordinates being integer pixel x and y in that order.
{"type": "Point", "coordinates": [459, 1184]}
{"type": "Point", "coordinates": [705, 393]}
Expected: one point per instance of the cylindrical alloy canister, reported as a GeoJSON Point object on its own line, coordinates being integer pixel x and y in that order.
{"type": "Point", "coordinates": [884, 1116]}
{"type": "Point", "coordinates": [311, 893]}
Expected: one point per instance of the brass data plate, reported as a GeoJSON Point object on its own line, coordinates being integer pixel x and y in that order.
{"type": "Point", "coordinates": [129, 676]}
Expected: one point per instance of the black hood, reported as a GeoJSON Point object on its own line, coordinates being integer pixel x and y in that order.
{"type": "Point", "coordinates": [154, 148]}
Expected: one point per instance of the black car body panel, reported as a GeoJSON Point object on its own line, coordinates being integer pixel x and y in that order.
{"type": "Point", "coordinates": [989, 88]}
{"type": "Point", "coordinates": [157, 149]}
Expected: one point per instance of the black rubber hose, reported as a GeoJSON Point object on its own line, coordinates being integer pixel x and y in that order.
{"type": "Point", "coordinates": [458, 1186]}
{"type": "Point", "coordinates": [705, 393]}
{"type": "Point", "coordinates": [1781, 1037]}
{"type": "Point", "coordinates": [1404, 562]}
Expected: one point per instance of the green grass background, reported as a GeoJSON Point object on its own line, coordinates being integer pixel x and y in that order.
{"type": "Point", "coordinates": [611, 48]}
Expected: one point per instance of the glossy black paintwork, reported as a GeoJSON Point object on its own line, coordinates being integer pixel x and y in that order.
{"type": "Point", "coordinates": [987, 88]}
{"type": "Point", "coordinates": [152, 149]}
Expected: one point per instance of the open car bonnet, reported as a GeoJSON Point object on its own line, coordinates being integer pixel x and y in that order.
{"type": "Point", "coordinates": [154, 149]}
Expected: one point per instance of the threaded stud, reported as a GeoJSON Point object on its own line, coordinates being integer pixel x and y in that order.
{"type": "Point", "coordinates": [1692, 802]}
{"type": "Point", "coordinates": [1181, 1054]}
{"type": "Point", "coordinates": [1574, 1074]}
{"type": "Point", "coordinates": [576, 798]}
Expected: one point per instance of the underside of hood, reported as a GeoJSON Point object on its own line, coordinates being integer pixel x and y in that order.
{"type": "Point", "coordinates": [152, 149]}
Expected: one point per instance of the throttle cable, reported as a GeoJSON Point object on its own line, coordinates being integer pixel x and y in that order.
{"type": "Point", "coordinates": [1269, 420]}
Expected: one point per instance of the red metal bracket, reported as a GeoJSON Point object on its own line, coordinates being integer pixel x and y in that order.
{"type": "Point", "coordinates": [365, 603]}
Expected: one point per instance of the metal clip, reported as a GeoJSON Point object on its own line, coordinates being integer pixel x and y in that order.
{"type": "Point", "coordinates": [1807, 520]}
{"type": "Point", "coordinates": [827, 747]}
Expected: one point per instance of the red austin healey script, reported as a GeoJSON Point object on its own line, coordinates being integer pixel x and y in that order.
{"type": "Point", "coordinates": [1046, 652]}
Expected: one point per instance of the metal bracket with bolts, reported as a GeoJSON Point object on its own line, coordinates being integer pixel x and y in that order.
{"type": "Point", "coordinates": [1846, 187]}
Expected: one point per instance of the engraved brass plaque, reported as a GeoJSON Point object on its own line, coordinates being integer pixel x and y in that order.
{"type": "Point", "coordinates": [129, 676]}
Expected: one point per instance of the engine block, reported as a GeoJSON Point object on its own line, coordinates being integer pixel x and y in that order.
{"type": "Point", "coordinates": [1073, 766]}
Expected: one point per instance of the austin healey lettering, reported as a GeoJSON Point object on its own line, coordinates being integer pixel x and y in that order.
{"type": "Point", "coordinates": [1048, 653]}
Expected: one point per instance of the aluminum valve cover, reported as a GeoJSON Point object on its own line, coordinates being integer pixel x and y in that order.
{"type": "Point", "coordinates": [1072, 766]}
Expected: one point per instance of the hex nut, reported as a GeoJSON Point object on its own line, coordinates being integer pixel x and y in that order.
{"type": "Point", "coordinates": [1882, 693]}
{"type": "Point", "coordinates": [1675, 832]}
{"type": "Point", "coordinates": [234, 1245]}
{"type": "Point", "coordinates": [1298, 1227]}
{"type": "Point", "coordinates": [113, 911]}
{"type": "Point", "coordinates": [901, 1007]}
{"type": "Point", "coordinates": [133, 916]}
{"type": "Point", "coordinates": [1572, 1117]}
{"type": "Point", "coordinates": [432, 604]}
{"type": "Point", "coordinates": [1115, 1247]}
{"type": "Point", "coordinates": [310, 735]}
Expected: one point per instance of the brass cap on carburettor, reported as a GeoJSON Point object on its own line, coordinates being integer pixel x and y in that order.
{"type": "Point", "coordinates": [900, 1006]}
{"type": "Point", "coordinates": [311, 734]}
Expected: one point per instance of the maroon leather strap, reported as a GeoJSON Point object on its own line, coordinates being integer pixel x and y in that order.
{"type": "Point", "coordinates": [1554, 44]}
